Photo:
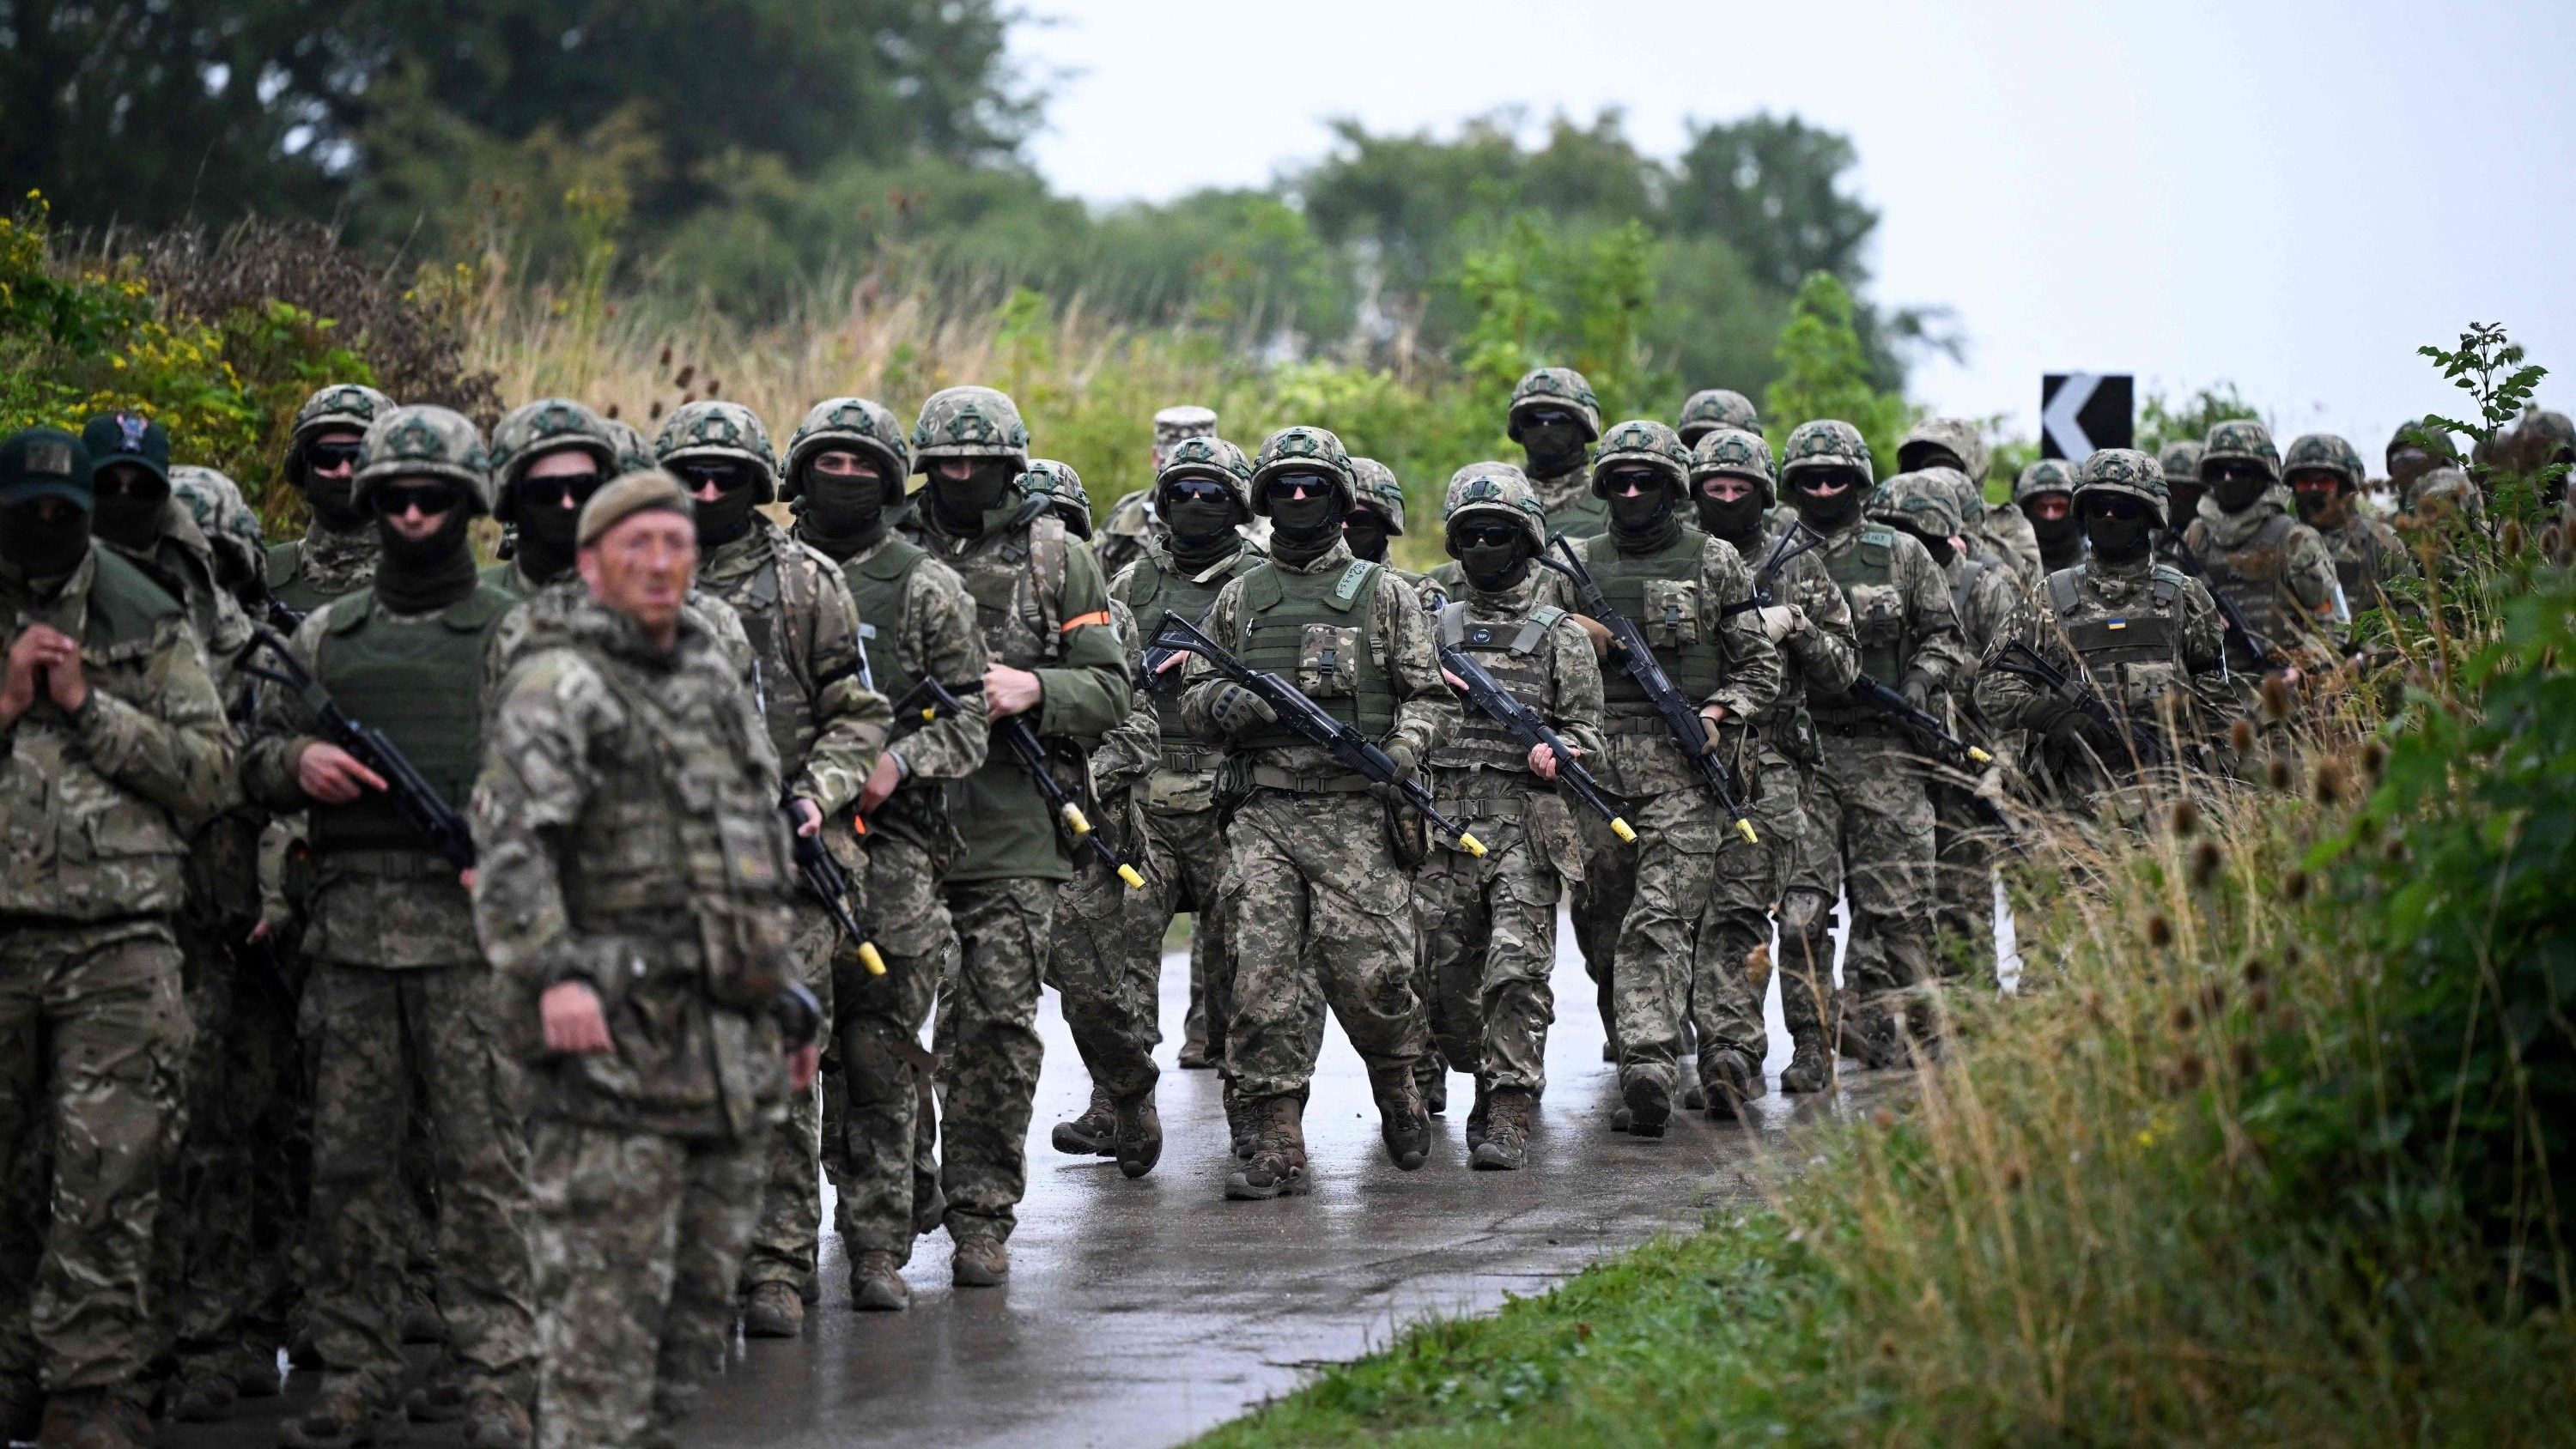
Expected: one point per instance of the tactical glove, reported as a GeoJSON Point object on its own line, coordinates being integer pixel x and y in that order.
{"type": "Point", "coordinates": [1919, 688]}
{"type": "Point", "coordinates": [1238, 711]}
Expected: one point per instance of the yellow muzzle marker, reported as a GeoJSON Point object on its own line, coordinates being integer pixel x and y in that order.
{"type": "Point", "coordinates": [1471, 845]}
{"type": "Point", "coordinates": [1620, 828]}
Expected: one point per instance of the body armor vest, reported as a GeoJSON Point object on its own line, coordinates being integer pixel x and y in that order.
{"type": "Point", "coordinates": [1153, 593]}
{"type": "Point", "coordinates": [1018, 585]}
{"type": "Point", "coordinates": [878, 587]}
{"type": "Point", "coordinates": [1582, 516]}
{"type": "Point", "coordinates": [767, 600]}
{"type": "Point", "coordinates": [1659, 592]}
{"type": "Point", "coordinates": [2250, 574]}
{"type": "Point", "coordinates": [1886, 642]}
{"type": "Point", "coordinates": [2135, 652]}
{"type": "Point", "coordinates": [1965, 587]}
{"type": "Point", "coordinates": [288, 579]}
{"type": "Point", "coordinates": [1515, 653]}
{"type": "Point", "coordinates": [419, 682]}
{"type": "Point", "coordinates": [1319, 632]}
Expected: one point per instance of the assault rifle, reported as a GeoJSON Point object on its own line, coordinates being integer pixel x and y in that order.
{"type": "Point", "coordinates": [1159, 654]}
{"type": "Point", "coordinates": [929, 700]}
{"type": "Point", "coordinates": [414, 798]}
{"type": "Point", "coordinates": [1869, 694]}
{"type": "Point", "coordinates": [284, 617]}
{"type": "Point", "coordinates": [1799, 537]}
{"type": "Point", "coordinates": [829, 885]}
{"type": "Point", "coordinates": [2238, 630]}
{"type": "Point", "coordinates": [1307, 719]}
{"type": "Point", "coordinates": [1681, 718]}
{"type": "Point", "coordinates": [1488, 695]}
{"type": "Point", "coordinates": [2020, 659]}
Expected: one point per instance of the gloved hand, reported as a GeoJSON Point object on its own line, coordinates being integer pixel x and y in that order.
{"type": "Point", "coordinates": [1238, 711]}
{"type": "Point", "coordinates": [1779, 621]}
{"type": "Point", "coordinates": [1919, 688]}
{"type": "Point", "coordinates": [1407, 763]}
{"type": "Point", "coordinates": [2066, 727]}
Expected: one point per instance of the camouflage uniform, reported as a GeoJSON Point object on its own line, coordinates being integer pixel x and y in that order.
{"type": "Point", "coordinates": [2050, 475]}
{"type": "Point", "coordinates": [1712, 408]}
{"type": "Point", "coordinates": [1795, 872]}
{"type": "Point", "coordinates": [2137, 632]}
{"type": "Point", "coordinates": [525, 434]}
{"type": "Point", "coordinates": [1572, 509]}
{"type": "Point", "coordinates": [1130, 523]}
{"type": "Point", "coordinates": [827, 726]}
{"type": "Point", "coordinates": [2273, 567]}
{"type": "Point", "coordinates": [1876, 800]}
{"type": "Point", "coordinates": [1109, 942]}
{"type": "Point", "coordinates": [627, 820]}
{"type": "Point", "coordinates": [1489, 922]}
{"type": "Point", "coordinates": [1676, 583]}
{"type": "Point", "coordinates": [1040, 605]}
{"type": "Point", "coordinates": [93, 1032]}
{"type": "Point", "coordinates": [2179, 462]}
{"type": "Point", "coordinates": [916, 621]}
{"type": "Point", "coordinates": [399, 1010]}
{"type": "Point", "coordinates": [1321, 905]}
{"type": "Point", "coordinates": [327, 562]}
{"type": "Point", "coordinates": [2000, 531]}
{"type": "Point", "coordinates": [2367, 553]}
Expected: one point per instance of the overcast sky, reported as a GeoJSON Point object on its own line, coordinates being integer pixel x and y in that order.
{"type": "Point", "coordinates": [2291, 196]}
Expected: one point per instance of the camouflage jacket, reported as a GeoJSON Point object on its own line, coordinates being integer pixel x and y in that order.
{"type": "Point", "coordinates": [1123, 534]}
{"type": "Point", "coordinates": [1482, 777]}
{"type": "Point", "coordinates": [1571, 508]}
{"type": "Point", "coordinates": [1426, 712]}
{"type": "Point", "coordinates": [323, 564]}
{"type": "Point", "coordinates": [98, 804]}
{"type": "Point", "coordinates": [1648, 762]}
{"type": "Point", "coordinates": [2367, 554]}
{"type": "Point", "coordinates": [1132, 751]}
{"type": "Point", "coordinates": [827, 725]}
{"type": "Point", "coordinates": [182, 561]}
{"type": "Point", "coordinates": [544, 607]}
{"type": "Point", "coordinates": [1040, 605]}
{"type": "Point", "coordinates": [629, 834]}
{"type": "Point", "coordinates": [1169, 787]}
{"type": "Point", "coordinates": [935, 638]}
{"type": "Point", "coordinates": [1820, 656]}
{"type": "Point", "coordinates": [2112, 602]}
{"type": "Point", "coordinates": [2291, 587]}
{"type": "Point", "coordinates": [1909, 616]}
{"type": "Point", "coordinates": [2007, 532]}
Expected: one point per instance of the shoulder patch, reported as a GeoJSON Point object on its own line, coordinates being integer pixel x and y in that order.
{"type": "Point", "coordinates": [1353, 579]}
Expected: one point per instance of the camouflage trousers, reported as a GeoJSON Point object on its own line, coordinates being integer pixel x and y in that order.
{"type": "Point", "coordinates": [988, 1047]}
{"type": "Point", "coordinates": [1963, 851]}
{"type": "Point", "coordinates": [1873, 798]}
{"type": "Point", "coordinates": [878, 1132]}
{"type": "Point", "coordinates": [93, 1035]}
{"type": "Point", "coordinates": [1323, 916]}
{"type": "Point", "coordinates": [385, 1044]}
{"type": "Point", "coordinates": [1792, 875]}
{"type": "Point", "coordinates": [1489, 947]}
{"type": "Point", "coordinates": [786, 1236]}
{"type": "Point", "coordinates": [1108, 954]}
{"type": "Point", "coordinates": [638, 1238]}
{"type": "Point", "coordinates": [1598, 904]}
{"type": "Point", "coordinates": [1661, 887]}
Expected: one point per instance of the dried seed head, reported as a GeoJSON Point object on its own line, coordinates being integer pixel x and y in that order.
{"type": "Point", "coordinates": [666, 356]}
{"type": "Point", "coordinates": [1757, 962]}
{"type": "Point", "coordinates": [2093, 1008]}
{"type": "Point", "coordinates": [2394, 852]}
{"type": "Point", "coordinates": [714, 385]}
{"type": "Point", "coordinates": [1884, 1118]}
{"type": "Point", "coordinates": [2252, 971]}
{"type": "Point", "coordinates": [2186, 816]}
{"type": "Point", "coordinates": [2328, 783]}
{"type": "Point", "coordinates": [2189, 1069]}
{"type": "Point", "coordinates": [2294, 887]}
{"type": "Point", "coordinates": [2289, 954]}
{"type": "Point", "coordinates": [2240, 737]}
{"type": "Point", "coordinates": [2015, 1174]}
{"type": "Point", "coordinates": [2242, 1055]}
{"type": "Point", "coordinates": [2511, 538]}
{"type": "Point", "coordinates": [2276, 698]}
{"type": "Point", "coordinates": [2206, 858]}
{"type": "Point", "coordinates": [2213, 997]}
{"type": "Point", "coordinates": [2185, 1015]}
{"type": "Point", "coordinates": [687, 375]}
{"type": "Point", "coordinates": [2278, 772]}
{"type": "Point", "coordinates": [2260, 998]}
{"type": "Point", "coordinates": [657, 409]}
{"type": "Point", "coordinates": [2374, 760]}
{"type": "Point", "coordinates": [612, 410]}
{"type": "Point", "coordinates": [2159, 930]}
{"type": "Point", "coordinates": [687, 398]}
{"type": "Point", "coordinates": [2366, 829]}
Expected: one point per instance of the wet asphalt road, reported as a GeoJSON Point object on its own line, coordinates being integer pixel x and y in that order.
{"type": "Point", "coordinates": [1138, 1313]}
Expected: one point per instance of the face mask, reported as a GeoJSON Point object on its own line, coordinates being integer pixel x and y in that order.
{"type": "Point", "coordinates": [726, 519]}
{"type": "Point", "coordinates": [963, 502]}
{"type": "Point", "coordinates": [130, 518]}
{"type": "Point", "coordinates": [1642, 512]}
{"type": "Point", "coordinates": [2116, 538]}
{"type": "Point", "coordinates": [1366, 534]}
{"type": "Point", "coordinates": [1553, 448]}
{"type": "Point", "coordinates": [330, 500]}
{"type": "Point", "coordinates": [423, 555]}
{"type": "Point", "coordinates": [2056, 535]}
{"type": "Point", "coordinates": [2235, 495]}
{"type": "Point", "coordinates": [1196, 521]}
{"type": "Point", "coordinates": [2184, 503]}
{"type": "Point", "coordinates": [2313, 503]}
{"type": "Point", "coordinates": [1731, 520]}
{"type": "Point", "coordinates": [1494, 569]}
{"type": "Point", "coordinates": [1940, 548]}
{"type": "Point", "coordinates": [1308, 520]}
{"type": "Point", "coordinates": [1828, 513]}
{"type": "Point", "coordinates": [843, 507]}
{"type": "Point", "coordinates": [44, 549]}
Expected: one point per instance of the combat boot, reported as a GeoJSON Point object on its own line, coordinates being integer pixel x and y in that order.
{"type": "Point", "coordinates": [929, 1205]}
{"type": "Point", "coordinates": [1431, 1083]}
{"type": "Point", "coordinates": [1730, 1080]}
{"type": "Point", "coordinates": [1401, 1122]}
{"type": "Point", "coordinates": [493, 1422]}
{"type": "Point", "coordinates": [1693, 1098]}
{"type": "Point", "coordinates": [773, 1310]}
{"type": "Point", "coordinates": [421, 1322]}
{"type": "Point", "coordinates": [1505, 1147]}
{"type": "Point", "coordinates": [1648, 1104]}
{"type": "Point", "coordinates": [93, 1419]}
{"type": "Point", "coordinates": [1194, 1048]}
{"type": "Point", "coordinates": [1277, 1165]}
{"type": "Point", "coordinates": [341, 1417]}
{"type": "Point", "coordinates": [1811, 1067]}
{"type": "Point", "coordinates": [1479, 1115]}
{"type": "Point", "coordinates": [1240, 1126]}
{"type": "Point", "coordinates": [204, 1397]}
{"type": "Point", "coordinates": [876, 1283]}
{"type": "Point", "coordinates": [1093, 1134]}
{"type": "Point", "coordinates": [981, 1261]}
{"type": "Point", "coordinates": [1139, 1135]}
{"type": "Point", "coordinates": [1869, 1036]}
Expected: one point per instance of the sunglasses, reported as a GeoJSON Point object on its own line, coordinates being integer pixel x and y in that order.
{"type": "Point", "coordinates": [331, 457]}
{"type": "Point", "coordinates": [1644, 480]}
{"type": "Point", "coordinates": [2231, 473]}
{"type": "Point", "coordinates": [563, 490]}
{"type": "Point", "coordinates": [2111, 505]}
{"type": "Point", "coordinates": [727, 477]}
{"type": "Point", "coordinates": [1547, 418]}
{"type": "Point", "coordinates": [1485, 535]}
{"type": "Point", "coordinates": [393, 500]}
{"type": "Point", "coordinates": [1196, 490]}
{"type": "Point", "coordinates": [1282, 485]}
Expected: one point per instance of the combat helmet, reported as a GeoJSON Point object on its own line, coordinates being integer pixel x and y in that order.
{"type": "Point", "coordinates": [850, 424]}
{"type": "Point", "coordinates": [215, 503]}
{"type": "Point", "coordinates": [529, 432]}
{"type": "Point", "coordinates": [713, 431]}
{"type": "Point", "coordinates": [1061, 487]}
{"type": "Point", "coordinates": [1924, 501]}
{"type": "Point", "coordinates": [1734, 452]}
{"type": "Point", "coordinates": [1959, 437]}
{"type": "Point", "coordinates": [1302, 449]}
{"type": "Point", "coordinates": [1554, 387]}
{"type": "Point", "coordinates": [1209, 456]}
{"type": "Point", "coordinates": [2044, 475]}
{"type": "Point", "coordinates": [343, 407]}
{"type": "Point", "coordinates": [422, 441]}
{"type": "Point", "coordinates": [2124, 470]}
{"type": "Point", "coordinates": [1826, 443]}
{"type": "Point", "coordinates": [1185, 420]}
{"type": "Point", "coordinates": [634, 455]}
{"type": "Point", "coordinates": [2241, 440]}
{"type": "Point", "coordinates": [2324, 453]}
{"type": "Point", "coordinates": [1711, 408]}
{"type": "Point", "coordinates": [1647, 441]}
{"type": "Point", "coordinates": [1374, 487]}
{"type": "Point", "coordinates": [969, 422]}
{"type": "Point", "coordinates": [2180, 459]}
{"type": "Point", "coordinates": [1499, 490]}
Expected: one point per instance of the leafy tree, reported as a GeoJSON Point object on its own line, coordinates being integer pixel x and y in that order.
{"type": "Point", "coordinates": [1825, 373]}
{"type": "Point", "coordinates": [1771, 187]}
{"type": "Point", "coordinates": [2163, 420]}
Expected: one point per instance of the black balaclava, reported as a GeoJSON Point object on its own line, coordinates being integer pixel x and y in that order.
{"type": "Point", "coordinates": [2235, 495]}
{"type": "Point", "coordinates": [333, 501]}
{"type": "Point", "coordinates": [1837, 512]}
{"type": "Point", "coordinates": [546, 541]}
{"type": "Point", "coordinates": [2317, 506]}
{"type": "Point", "coordinates": [1553, 449]}
{"type": "Point", "coordinates": [2057, 536]}
{"type": "Point", "coordinates": [1645, 522]}
{"type": "Point", "coordinates": [726, 519]}
{"type": "Point", "coordinates": [1305, 529]}
{"type": "Point", "coordinates": [1738, 522]}
{"type": "Point", "coordinates": [841, 515]}
{"type": "Point", "coordinates": [1937, 545]}
{"type": "Point", "coordinates": [2118, 540]}
{"type": "Point", "coordinates": [417, 576]}
{"type": "Point", "coordinates": [1366, 533]}
{"type": "Point", "coordinates": [962, 503]}
{"type": "Point", "coordinates": [45, 553]}
{"type": "Point", "coordinates": [1202, 529]}
{"type": "Point", "coordinates": [130, 519]}
{"type": "Point", "coordinates": [1495, 569]}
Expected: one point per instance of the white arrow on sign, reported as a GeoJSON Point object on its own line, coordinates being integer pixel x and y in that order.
{"type": "Point", "coordinates": [2058, 418]}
